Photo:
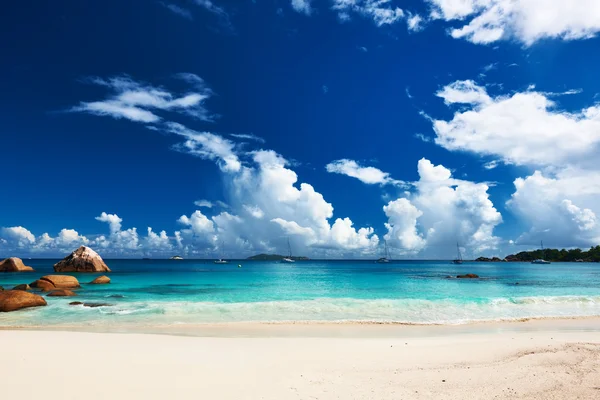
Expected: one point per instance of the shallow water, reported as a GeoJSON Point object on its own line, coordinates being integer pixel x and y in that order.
{"type": "Point", "coordinates": [158, 292]}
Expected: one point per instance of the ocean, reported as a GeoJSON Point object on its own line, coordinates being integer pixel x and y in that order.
{"type": "Point", "coordinates": [169, 292]}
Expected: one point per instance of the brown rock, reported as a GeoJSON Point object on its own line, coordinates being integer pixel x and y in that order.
{"type": "Point", "coordinates": [1, 288]}
{"type": "Point", "coordinates": [101, 280]}
{"type": "Point", "coordinates": [75, 303]}
{"type": "Point", "coordinates": [83, 259]}
{"type": "Point", "coordinates": [61, 293]}
{"type": "Point", "coordinates": [467, 276]}
{"type": "Point", "coordinates": [43, 285]}
{"type": "Point", "coordinates": [12, 300]}
{"type": "Point", "coordinates": [23, 286]}
{"type": "Point", "coordinates": [14, 264]}
{"type": "Point", "coordinates": [61, 281]}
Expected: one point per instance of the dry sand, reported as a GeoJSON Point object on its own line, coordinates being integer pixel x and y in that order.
{"type": "Point", "coordinates": [484, 364]}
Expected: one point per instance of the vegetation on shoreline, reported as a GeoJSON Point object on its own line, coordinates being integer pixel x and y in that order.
{"type": "Point", "coordinates": [274, 257]}
{"type": "Point", "coordinates": [555, 255]}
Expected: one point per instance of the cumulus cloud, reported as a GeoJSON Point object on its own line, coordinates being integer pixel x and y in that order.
{"type": "Point", "coordinates": [527, 21]}
{"type": "Point", "coordinates": [440, 212]}
{"type": "Point", "coordinates": [382, 12]}
{"type": "Point", "coordinates": [140, 102]}
{"type": "Point", "coordinates": [17, 236]}
{"type": "Point", "coordinates": [556, 203]}
{"type": "Point", "coordinates": [561, 210]}
{"type": "Point", "coordinates": [368, 175]}
{"type": "Point", "coordinates": [523, 128]}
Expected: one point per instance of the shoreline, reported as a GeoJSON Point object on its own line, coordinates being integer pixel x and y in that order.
{"type": "Point", "coordinates": [327, 328]}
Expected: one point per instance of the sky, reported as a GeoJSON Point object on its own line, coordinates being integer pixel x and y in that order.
{"type": "Point", "coordinates": [222, 128]}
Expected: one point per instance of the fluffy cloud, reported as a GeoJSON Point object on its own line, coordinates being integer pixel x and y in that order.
{"type": "Point", "coordinates": [556, 203]}
{"type": "Point", "coordinates": [524, 128]}
{"type": "Point", "coordinates": [527, 21]}
{"type": "Point", "coordinates": [302, 6]}
{"type": "Point", "coordinates": [113, 221]}
{"type": "Point", "coordinates": [560, 210]}
{"type": "Point", "coordinates": [440, 212]}
{"type": "Point", "coordinates": [139, 102]}
{"type": "Point", "coordinates": [17, 236]}
{"type": "Point", "coordinates": [380, 11]}
{"type": "Point", "coordinates": [368, 175]}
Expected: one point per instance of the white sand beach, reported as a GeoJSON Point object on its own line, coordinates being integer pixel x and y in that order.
{"type": "Point", "coordinates": [539, 360]}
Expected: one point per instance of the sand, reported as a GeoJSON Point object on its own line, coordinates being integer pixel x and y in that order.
{"type": "Point", "coordinates": [493, 363]}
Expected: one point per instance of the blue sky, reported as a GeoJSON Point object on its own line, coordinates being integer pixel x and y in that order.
{"type": "Point", "coordinates": [336, 123]}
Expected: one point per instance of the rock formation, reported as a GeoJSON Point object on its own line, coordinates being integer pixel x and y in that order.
{"type": "Point", "coordinates": [14, 264]}
{"type": "Point", "coordinates": [468, 276]}
{"type": "Point", "coordinates": [83, 259]}
{"type": "Point", "coordinates": [51, 282]}
{"type": "Point", "coordinates": [61, 293]}
{"type": "Point", "coordinates": [101, 280]}
{"type": "Point", "coordinates": [12, 300]}
{"type": "Point", "coordinates": [22, 286]}
{"type": "Point", "coordinates": [92, 305]}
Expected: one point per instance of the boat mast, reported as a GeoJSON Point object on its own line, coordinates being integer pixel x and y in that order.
{"type": "Point", "coordinates": [289, 248]}
{"type": "Point", "coordinates": [458, 252]}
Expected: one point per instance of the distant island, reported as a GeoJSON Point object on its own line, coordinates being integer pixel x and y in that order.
{"type": "Point", "coordinates": [274, 257]}
{"type": "Point", "coordinates": [553, 255]}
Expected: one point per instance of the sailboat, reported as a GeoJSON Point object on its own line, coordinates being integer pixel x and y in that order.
{"type": "Point", "coordinates": [221, 260]}
{"type": "Point", "coordinates": [289, 258]}
{"type": "Point", "coordinates": [541, 260]}
{"type": "Point", "coordinates": [458, 259]}
{"type": "Point", "coordinates": [386, 258]}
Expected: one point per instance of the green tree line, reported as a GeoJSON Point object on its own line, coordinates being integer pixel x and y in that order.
{"type": "Point", "coordinates": [592, 255]}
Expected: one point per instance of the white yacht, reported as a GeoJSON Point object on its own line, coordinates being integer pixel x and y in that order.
{"type": "Point", "coordinates": [289, 258]}
{"type": "Point", "coordinates": [541, 260]}
{"type": "Point", "coordinates": [458, 259]}
{"type": "Point", "coordinates": [386, 258]}
{"type": "Point", "coordinates": [221, 260]}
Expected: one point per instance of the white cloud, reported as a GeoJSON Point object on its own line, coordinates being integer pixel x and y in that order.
{"type": "Point", "coordinates": [139, 102]}
{"type": "Point", "coordinates": [380, 11]}
{"type": "Point", "coordinates": [422, 137]}
{"type": "Point", "coordinates": [440, 212]}
{"type": "Point", "coordinates": [208, 146]}
{"type": "Point", "coordinates": [204, 203]}
{"type": "Point", "coordinates": [491, 164]}
{"type": "Point", "coordinates": [560, 210]}
{"type": "Point", "coordinates": [198, 223]}
{"type": "Point", "coordinates": [368, 175]}
{"type": "Point", "coordinates": [302, 6]}
{"type": "Point", "coordinates": [174, 8]}
{"type": "Point", "coordinates": [254, 211]}
{"type": "Point", "coordinates": [248, 136]}
{"type": "Point", "coordinates": [414, 22]}
{"type": "Point", "coordinates": [524, 128]}
{"type": "Point", "coordinates": [487, 21]}
{"type": "Point", "coordinates": [17, 235]}
{"type": "Point", "coordinates": [113, 221]}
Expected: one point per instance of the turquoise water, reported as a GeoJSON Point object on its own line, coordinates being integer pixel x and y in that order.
{"type": "Point", "coordinates": [164, 292]}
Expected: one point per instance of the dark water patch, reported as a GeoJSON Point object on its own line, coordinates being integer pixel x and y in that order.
{"type": "Point", "coordinates": [166, 290]}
